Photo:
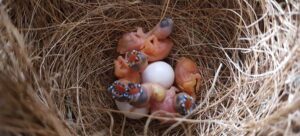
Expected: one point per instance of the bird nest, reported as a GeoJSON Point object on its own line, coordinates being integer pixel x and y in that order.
{"type": "Point", "coordinates": [56, 62]}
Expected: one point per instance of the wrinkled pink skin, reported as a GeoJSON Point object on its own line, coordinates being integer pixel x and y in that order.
{"type": "Point", "coordinates": [187, 76]}
{"type": "Point", "coordinates": [165, 108]}
{"type": "Point", "coordinates": [123, 71]}
{"type": "Point", "coordinates": [166, 105]}
{"type": "Point", "coordinates": [131, 41]}
{"type": "Point", "coordinates": [136, 40]}
{"type": "Point", "coordinates": [157, 49]}
{"type": "Point", "coordinates": [162, 32]}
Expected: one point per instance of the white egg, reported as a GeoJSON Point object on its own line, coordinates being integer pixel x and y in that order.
{"type": "Point", "coordinates": [124, 106]}
{"type": "Point", "coordinates": [159, 72]}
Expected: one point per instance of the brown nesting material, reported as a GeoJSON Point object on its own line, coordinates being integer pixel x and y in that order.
{"type": "Point", "coordinates": [56, 62]}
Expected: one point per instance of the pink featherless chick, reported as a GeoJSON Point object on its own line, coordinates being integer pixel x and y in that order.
{"type": "Point", "coordinates": [157, 49]}
{"type": "Point", "coordinates": [131, 66]}
{"type": "Point", "coordinates": [131, 41]}
{"type": "Point", "coordinates": [187, 76]}
{"type": "Point", "coordinates": [163, 29]}
{"type": "Point", "coordinates": [167, 104]}
{"type": "Point", "coordinates": [155, 44]}
{"type": "Point", "coordinates": [173, 105]}
{"type": "Point", "coordinates": [162, 102]}
{"type": "Point", "coordinates": [123, 71]}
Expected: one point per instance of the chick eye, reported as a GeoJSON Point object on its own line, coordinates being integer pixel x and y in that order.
{"type": "Point", "coordinates": [152, 41]}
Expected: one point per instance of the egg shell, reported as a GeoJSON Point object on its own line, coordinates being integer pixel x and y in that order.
{"type": "Point", "coordinates": [124, 106]}
{"type": "Point", "coordinates": [160, 73]}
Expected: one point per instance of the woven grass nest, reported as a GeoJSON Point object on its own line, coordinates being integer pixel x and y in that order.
{"type": "Point", "coordinates": [56, 62]}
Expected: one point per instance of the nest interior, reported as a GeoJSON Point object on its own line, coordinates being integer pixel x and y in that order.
{"type": "Point", "coordinates": [57, 62]}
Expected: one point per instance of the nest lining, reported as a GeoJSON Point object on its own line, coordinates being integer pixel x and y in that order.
{"type": "Point", "coordinates": [246, 51]}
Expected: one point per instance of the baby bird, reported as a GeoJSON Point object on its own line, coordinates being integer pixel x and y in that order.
{"type": "Point", "coordinates": [167, 105]}
{"type": "Point", "coordinates": [187, 76]}
{"type": "Point", "coordinates": [154, 96]}
{"type": "Point", "coordinates": [131, 41]}
{"type": "Point", "coordinates": [184, 103]}
{"type": "Point", "coordinates": [173, 105]}
{"type": "Point", "coordinates": [124, 92]}
{"type": "Point", "coordinates": [130, 68]}
{"type": "Point", "coordinates": [147, 92]}
{"type": "Point", "coordinates": [156, 49]}
{"type": "Point", "coordinates": [178, 104]}
{"type": "Point", "coordinates": [138, 95]}
{"type": "Point", "coordinates": [136, 60]}
{"type": "Point", "coordinates": [155, 44]}
{"type": "Point", "coordinates": [164, 101]}
{"type": "Point", "coordinates": [119, 90]}
{"type": "Point", "coordinates": [123, 71]}
{"type": "Point", "coordinates": [163, 29]}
